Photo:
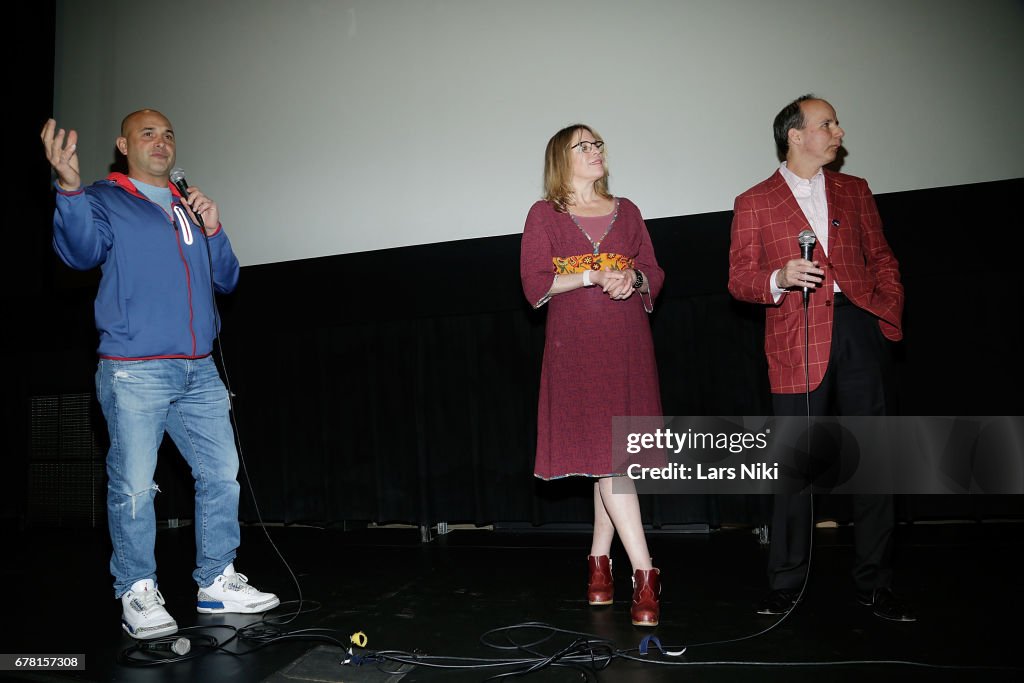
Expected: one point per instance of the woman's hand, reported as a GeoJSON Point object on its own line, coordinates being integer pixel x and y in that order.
{"type": "Point", "coordinates": [617, 284]}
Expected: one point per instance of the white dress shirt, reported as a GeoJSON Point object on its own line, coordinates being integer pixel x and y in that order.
{"type": "Point", "coordinates": [810, 195]}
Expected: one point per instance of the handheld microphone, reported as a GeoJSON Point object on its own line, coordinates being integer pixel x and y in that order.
{"type": "Point", "coordinates": [806, 240]}
{"type": "Point", "coordinates": [178, 178]}
{"type": "Point", "coordinates": [179, 646]}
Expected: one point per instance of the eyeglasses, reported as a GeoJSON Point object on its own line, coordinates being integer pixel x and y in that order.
{"type": "Point", "coordinates": [585, 146]}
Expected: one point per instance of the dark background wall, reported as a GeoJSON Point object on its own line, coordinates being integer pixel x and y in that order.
{"type": "Point", "coordinates": [367, 390]}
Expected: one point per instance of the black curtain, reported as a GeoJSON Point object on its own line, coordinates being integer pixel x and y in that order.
{"type": "Point", "coordinates": [416, 402]}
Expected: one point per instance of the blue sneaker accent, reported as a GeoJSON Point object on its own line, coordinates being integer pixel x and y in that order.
{"type": "Point", "coordinates": [231, 592]}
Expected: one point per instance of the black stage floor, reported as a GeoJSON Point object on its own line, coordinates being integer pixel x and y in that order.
{"type": "Point", "coordinates": [439, 598]}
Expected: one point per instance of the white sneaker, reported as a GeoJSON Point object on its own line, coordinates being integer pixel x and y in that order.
{"type": "Point", "coordinates": [142, 612]}
{"type": "Point", "coordinates": [231, 592]}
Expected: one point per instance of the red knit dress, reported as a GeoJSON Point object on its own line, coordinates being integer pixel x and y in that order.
{"type": "Point", "coordinates": [598, 353]}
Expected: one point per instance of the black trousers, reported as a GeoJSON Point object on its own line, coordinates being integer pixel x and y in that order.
{"type": "Point", "coordinates": [854, 384]}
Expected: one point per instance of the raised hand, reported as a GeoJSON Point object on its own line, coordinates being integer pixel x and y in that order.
{"type": "Point", "coordinates": [62, 154]}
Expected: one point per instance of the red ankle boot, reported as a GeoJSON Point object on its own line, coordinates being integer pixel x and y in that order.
{"type": "Point", "coordinates": [600, 589]}
{"type": "Point", "coordinates": [646, 593]}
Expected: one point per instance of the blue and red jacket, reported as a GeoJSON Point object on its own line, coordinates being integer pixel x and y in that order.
{"type": "Point", "coordinates": [155, 298]}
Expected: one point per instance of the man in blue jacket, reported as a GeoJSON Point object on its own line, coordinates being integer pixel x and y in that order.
{"type": "Point", "coordinates": [157, 320]}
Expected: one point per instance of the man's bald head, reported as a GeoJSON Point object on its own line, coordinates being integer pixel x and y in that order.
{"type": "Point", "coordinates": [126, 122]}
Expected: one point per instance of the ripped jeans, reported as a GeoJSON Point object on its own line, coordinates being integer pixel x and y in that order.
{"type": "Point", "coordinates": [140, 400]}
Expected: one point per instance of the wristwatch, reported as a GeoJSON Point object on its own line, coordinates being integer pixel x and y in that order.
{"type": "Point", "coordinates": [639, 281]}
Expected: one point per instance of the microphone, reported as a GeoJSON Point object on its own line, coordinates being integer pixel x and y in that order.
{"type": "Point", "coordinates": [806, 240]}
{"type": "Point", "coordinates": [179, 646]}
{"type": "Point", "coordinates": [178, 178]}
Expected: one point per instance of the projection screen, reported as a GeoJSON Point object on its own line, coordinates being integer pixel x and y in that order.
{"type": "Point", "coordinates": [324, 127]}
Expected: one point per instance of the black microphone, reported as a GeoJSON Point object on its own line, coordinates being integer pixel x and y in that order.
{"type": "Point", "coordinates": [178, 178]}
{"type": "Point", "coordinates": [806, 240]}
{"type": "Point", "coordinates": [179, 646]}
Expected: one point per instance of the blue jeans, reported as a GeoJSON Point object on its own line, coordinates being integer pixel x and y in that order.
{"type": "Point", "coordinates": [185, 398]}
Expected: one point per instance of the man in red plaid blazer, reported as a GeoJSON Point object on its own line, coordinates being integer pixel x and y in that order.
{"type": "Point", "coordinates": [855, 303]}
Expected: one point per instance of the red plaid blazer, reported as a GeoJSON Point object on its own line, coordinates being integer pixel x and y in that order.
{"type": "Point", "coordinates": [766, 220]}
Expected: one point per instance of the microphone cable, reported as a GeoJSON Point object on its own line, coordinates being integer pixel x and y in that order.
{"type": "Point", "coordinates": [810, 548]}
{"type": "Point", "coordinates": [234, 423]}
{"type": "Point", "coordinates": [193, 642]}
{"type": "Point", "coordinates": [810, 545]}
{"type": "Point", "coordinates": [807, 403]}
{"type": "Point", "coordinates": [531, 647]}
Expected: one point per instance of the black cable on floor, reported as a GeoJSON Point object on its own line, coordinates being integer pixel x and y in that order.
{"type": "Point", "coordinates": [590, 654]}
{"type": "Point", "coordinates": [254, 636]}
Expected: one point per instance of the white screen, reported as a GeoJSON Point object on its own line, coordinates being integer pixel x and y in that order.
{"type": "Point", "coordinates": [323, 127]}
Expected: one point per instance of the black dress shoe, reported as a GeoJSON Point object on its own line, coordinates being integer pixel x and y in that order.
{"type": "Point", "coordinates": [777, 602]}
{"type": "Point", "coordinates": [885, 605]}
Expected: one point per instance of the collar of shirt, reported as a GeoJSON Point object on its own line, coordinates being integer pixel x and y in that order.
{"type": "Point", "coordinates": [802, 187]}
{"type": "Point", "coordinates": [161, 196]}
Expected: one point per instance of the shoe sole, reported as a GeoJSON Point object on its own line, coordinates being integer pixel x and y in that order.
{"type": "Point", "coordinates": [224, 608]}
{"type": "Point", "coordinates": [900, 620]}
{"type": "Point", "coordinates": [886, 617]}
{"type": "Point", "coordinates": [645, 623]}
{"type": "Point", "coordinates": [166, 630]}
{"type": "Point", "coordinates": [904, 620]}
{"type": "Point", "coordinates": [598, 603]}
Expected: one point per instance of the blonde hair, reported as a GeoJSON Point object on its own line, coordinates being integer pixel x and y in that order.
{"type": "Point", "coordinates": [558, 188]}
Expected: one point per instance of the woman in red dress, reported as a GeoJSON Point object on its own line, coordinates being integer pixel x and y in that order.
{"type": "Point", "coordinates": [588, 256]}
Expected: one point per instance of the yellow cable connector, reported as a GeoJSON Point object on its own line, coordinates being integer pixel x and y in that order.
{"type": "Point", "coordinates": [359, 639]}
